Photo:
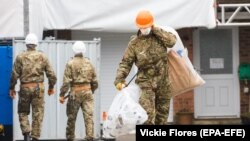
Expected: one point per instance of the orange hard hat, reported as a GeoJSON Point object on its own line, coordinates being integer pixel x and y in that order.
{"type": "Point", "coordinates": [144, 19]}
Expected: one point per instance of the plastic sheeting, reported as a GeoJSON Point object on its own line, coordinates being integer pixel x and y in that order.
{"type": "Point", "coordinates": [11, 18]}
{"type": "Point", "coordinates": [36, 17]}
{"type": "Point", "coordinates": [124, 113]}
{"type": "Point", "coordinates": [119, 15]}
{"type": "Point", "coordinates": [102, 15]}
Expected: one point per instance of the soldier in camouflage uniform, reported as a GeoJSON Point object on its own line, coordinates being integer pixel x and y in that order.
{"type": "Point", "coordinates": [148, 50]}
{"type": "Point", "coordinates": [80, 78]}
{"type": "Point", "coordinates": [29, 67]}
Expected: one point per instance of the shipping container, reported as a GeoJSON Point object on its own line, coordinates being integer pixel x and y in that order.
{"type": "Point", "coordinates": [6, 112]}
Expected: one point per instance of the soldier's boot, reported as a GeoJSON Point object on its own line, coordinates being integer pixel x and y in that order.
{"type": "Point", "coordinates": [26, 136]}
{"type": "Point", "coordinates": [34, 139]}
{"type": "Point", "coordinates": [89, 139]}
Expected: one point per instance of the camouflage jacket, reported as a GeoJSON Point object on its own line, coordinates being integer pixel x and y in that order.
{"type": "Point", "coordinates": [79, 70]}
{"type": "Point", "coordinates": [146, 52]}
{"type": "Point", "coordinates": [30, 66]}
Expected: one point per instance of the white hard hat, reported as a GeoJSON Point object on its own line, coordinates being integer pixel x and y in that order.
{"type": "Point", "coordinates": [79, 47]}
{"type": "Point", "coordinates": [31, 39]}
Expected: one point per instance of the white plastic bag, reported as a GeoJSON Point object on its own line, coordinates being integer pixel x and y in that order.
{"type": "Point", "coordinates": [178, 47]}
{"type": "Point", "coordinates": [124, 113]}
{"type": "Point", "coordinates": [182, 74]}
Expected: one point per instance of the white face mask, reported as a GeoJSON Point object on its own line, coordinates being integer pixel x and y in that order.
{"type": "Point", "coordinates": [145, 31]}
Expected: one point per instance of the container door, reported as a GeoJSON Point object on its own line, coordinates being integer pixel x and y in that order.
{"type": "Point", "coordinates": [6, 112]}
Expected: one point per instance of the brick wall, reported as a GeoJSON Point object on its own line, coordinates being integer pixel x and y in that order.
{"type": "Point", "coordinates": [185, 100]}
{"type": "Point", "coordinates": [244, 46]}
{"type": "Point", "coordinates": [244, 43]}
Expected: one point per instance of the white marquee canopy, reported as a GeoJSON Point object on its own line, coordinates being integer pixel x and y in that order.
{"type": "Point", "coordinates": [103, 15]}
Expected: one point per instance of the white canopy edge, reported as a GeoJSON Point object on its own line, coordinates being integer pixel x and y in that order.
{"type": "Point", "coordinates": [102, 15]}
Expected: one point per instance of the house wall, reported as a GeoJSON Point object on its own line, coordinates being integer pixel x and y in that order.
{"type": "Point", "coordinates": [244, 51]}
{"type": "Point", "coordinates": [187, 100]}
{"type": "Point", "coordinates": [244, 43]}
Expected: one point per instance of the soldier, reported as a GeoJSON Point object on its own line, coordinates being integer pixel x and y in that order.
{"type": "Point", "coordinates": [29, 67]}
{"type": "Point", "coordinates": [148, 51]}
{"type": "Point", "coordinates": [80, 77]}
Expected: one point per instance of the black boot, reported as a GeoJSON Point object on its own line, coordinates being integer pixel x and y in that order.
{"type": "Point", "coordinates": [89, 139]}
{"type": "Point", "coordinates": [34, 139]}
{"type": "Point", "coordinates": [26, 136]}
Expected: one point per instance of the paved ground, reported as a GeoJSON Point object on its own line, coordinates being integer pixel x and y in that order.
{"type": "Point", "coordinates": [130, 137]}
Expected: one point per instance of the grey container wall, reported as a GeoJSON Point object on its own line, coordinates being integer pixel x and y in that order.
{"type": "Point", "coordinates": [55, 119]}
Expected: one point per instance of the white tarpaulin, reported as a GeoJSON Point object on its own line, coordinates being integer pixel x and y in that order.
{"type": "Point", "coordinates": [11, 18]}
{"type": "Point", "coordinates": [119, 15]}
{"type": "Point", "coordinates": [36, 17]}
{"type": "Point", "coordinates": [102, 15]}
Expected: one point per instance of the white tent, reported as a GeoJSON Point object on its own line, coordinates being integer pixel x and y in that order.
{"type": "Point", "coordinates": [103, 15]}
{"type": "Point", "coordinates": [11, 18]}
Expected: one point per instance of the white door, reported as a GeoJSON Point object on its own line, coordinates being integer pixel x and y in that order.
{"type": "Point", "coordinates": [216, 57]}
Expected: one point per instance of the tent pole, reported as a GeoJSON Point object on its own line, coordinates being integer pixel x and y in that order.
{"type": "Point", "coordinates": [26, 16]}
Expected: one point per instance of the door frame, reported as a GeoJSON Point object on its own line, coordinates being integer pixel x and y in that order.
{"type": "Point", "coordinates": [196, 60]}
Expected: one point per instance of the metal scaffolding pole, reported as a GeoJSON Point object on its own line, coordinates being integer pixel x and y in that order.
{"type": "Point", "coordinates": [233, 15]}
{"type": "Point", "coordinates": [26, 16]}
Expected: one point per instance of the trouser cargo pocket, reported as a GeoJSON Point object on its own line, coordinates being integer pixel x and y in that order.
{"type": "Point", "coordinates": [24, 102]}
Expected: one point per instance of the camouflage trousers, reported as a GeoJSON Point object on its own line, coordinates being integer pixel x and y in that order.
{"type": "Point", "coordinates": [85, 101]}
{"type": "Point", "coordinates": [34, 97]}
{"type": "Point", "coordinates": [155, 99]}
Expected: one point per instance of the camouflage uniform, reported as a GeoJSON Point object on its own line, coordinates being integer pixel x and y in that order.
{"type": "Point", "coordinates": [79, 72]}
{"type": "Point", "coordinates": [149, 55]}
{"type": "Point", "coordinates": [29, 67]}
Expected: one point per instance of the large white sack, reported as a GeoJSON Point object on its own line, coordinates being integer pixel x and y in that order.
{"type": "Point", "coordinates": [178, 47]}
{"type": "Point", "coordinates": [182, 74]}
{"type": "Point", "coordinates": [124, 113]}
